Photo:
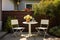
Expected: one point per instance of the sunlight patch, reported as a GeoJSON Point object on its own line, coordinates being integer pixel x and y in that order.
{"type": "Point", "coordinates": [23, 39]}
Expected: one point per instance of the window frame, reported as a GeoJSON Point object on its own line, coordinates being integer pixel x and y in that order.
{"type": "Point", "coordinates": [30, 3]}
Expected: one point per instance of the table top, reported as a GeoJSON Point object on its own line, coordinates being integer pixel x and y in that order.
{"type": "Point", "coordinates": [30, 22]}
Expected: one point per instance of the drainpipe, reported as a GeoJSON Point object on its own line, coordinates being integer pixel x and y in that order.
{"type": "Point", "coordinates": [0, 15]}
{"type": "Point", "coordinates": [0, 25]}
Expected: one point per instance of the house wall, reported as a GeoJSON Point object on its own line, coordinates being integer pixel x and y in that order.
{"type": "Point", "coordinates": [23, 3]}
{"type": "Point", "coordinates": [7, 5]}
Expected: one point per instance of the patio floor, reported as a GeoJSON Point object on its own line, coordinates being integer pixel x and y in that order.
{"type": "Point", "coordinates": [11, 37]}
{"type": "Point", "coordinates": [2, 34]}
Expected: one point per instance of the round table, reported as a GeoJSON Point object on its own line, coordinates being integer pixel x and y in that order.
{"type": "Point", "coordinates": [29, 25]}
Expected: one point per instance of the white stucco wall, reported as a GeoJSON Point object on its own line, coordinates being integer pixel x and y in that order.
{"type": "Point", "coordinates": [23, 3]}
{"type": "Point", "coordinates": [7, 5]}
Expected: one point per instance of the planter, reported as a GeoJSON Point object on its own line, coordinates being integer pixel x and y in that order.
{"type": "Point", "coordinates": [27, 20]}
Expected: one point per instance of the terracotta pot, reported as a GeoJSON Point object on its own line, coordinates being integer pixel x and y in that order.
{"type": "Point", "coordinates": [27, 20]}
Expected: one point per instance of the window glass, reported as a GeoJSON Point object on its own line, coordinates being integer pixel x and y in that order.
{"type": "Point", "coordinates": [29, 6]}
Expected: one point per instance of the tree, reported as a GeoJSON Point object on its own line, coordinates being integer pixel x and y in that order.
{"type": "Point", "coordinates": [41, 7]}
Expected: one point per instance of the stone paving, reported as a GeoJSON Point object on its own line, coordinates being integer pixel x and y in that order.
{"type": "Point", "coordinates": [2, 34]}
{"type": "Point", "coordinates": [12, 37]}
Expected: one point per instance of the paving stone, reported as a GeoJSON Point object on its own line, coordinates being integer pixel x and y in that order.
{"type": "Point", "coordinates": [11, 37]}
{"type": "Point", "coordinates": [2, 34]}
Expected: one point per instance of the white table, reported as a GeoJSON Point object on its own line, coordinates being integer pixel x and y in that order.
{"type": "Point", "coordinates": [29, 23]}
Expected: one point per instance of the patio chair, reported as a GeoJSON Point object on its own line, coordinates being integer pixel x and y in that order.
{"type": "Point", "coordinates": [15, 28]}
{"type": "Point", "coordinates": [43, 26]}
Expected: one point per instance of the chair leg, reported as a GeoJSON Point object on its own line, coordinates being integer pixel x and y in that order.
{"type": "Point", "coordinates": [38, 32]}
{"type": "Point", "coordinates": [45, 32]}
{"type": "Point", "coordinates": [21, 32]}
{"type": "Point", "coordinates": [14, 33]}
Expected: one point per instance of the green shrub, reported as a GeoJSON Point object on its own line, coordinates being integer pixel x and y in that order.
{"type": "Point", "coordinates": [55, 30]}
{"type": "Point", "coordinates": [49, 8]}
{"type": "Point", "coordinates": [7, 24]}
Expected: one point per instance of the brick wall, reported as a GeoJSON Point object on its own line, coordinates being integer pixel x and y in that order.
{"type": "Point", "coordinates": [20, 14]}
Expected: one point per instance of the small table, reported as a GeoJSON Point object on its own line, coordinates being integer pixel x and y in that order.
{"type": "Point", "coordinates": [29, 23]}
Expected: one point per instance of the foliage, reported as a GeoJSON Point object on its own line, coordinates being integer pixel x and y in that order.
{"type": "Point", "coordinates": [33, 0]}
{"type": "Point", "coordinates": [55, 30]}
{"type": "Point", "coordinates": [27, 17]}
{"type": "Point", "coordinates": [7, 24]}
{"type": "Point", "coordinates": [36, 9]}
{"type": "Point", "coordinates": [50, 8]}
{"type": "Point", "coordinates": [41, 7]}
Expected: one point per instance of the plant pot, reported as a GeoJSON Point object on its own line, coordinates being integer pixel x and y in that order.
{"type": "Point", "coordinates": [27, 20]}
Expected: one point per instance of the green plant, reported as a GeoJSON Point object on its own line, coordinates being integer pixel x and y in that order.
{"type": "Point", "coordinates": [32, 0]}
{"type": "Point", "coordinates": [7, 26]}
{"type": "Point", "coordinates": [55, 31]}
{"type": "Point", "coordinates": [41, 7]}
{"type": "Point", "coordinates": [49, 8]}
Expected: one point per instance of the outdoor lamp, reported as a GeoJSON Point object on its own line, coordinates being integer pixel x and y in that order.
{"type": "Point", "coordinates": [18, 2]}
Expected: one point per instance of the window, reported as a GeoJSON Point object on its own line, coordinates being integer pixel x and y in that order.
{"type": "Point", "coordinates": [29, 6]}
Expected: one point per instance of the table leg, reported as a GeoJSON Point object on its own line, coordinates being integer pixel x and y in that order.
{"type": "Point", "coordinates": [29, 29]}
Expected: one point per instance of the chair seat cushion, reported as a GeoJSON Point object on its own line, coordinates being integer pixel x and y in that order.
{"type": "Point", "coordinates": [18, 28]}
{"type": "Point", "coordinates": [41, 28]}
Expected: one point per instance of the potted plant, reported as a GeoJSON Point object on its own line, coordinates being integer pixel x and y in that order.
{"type": "Point", "coordinates": [27, 18]}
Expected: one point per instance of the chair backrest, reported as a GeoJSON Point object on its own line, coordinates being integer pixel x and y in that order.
{"type": "Point", "coordinates": [14, 22]}
{"type": "Point", "coordinates": [45, 21]}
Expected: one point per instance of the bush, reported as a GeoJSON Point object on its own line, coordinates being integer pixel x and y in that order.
{"type": "Point", "coordinates": [49, 8]}
{"type": "Point", "coordinates": [7, 25]}
{"type": "Point", "coordinates": [55, 31]}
